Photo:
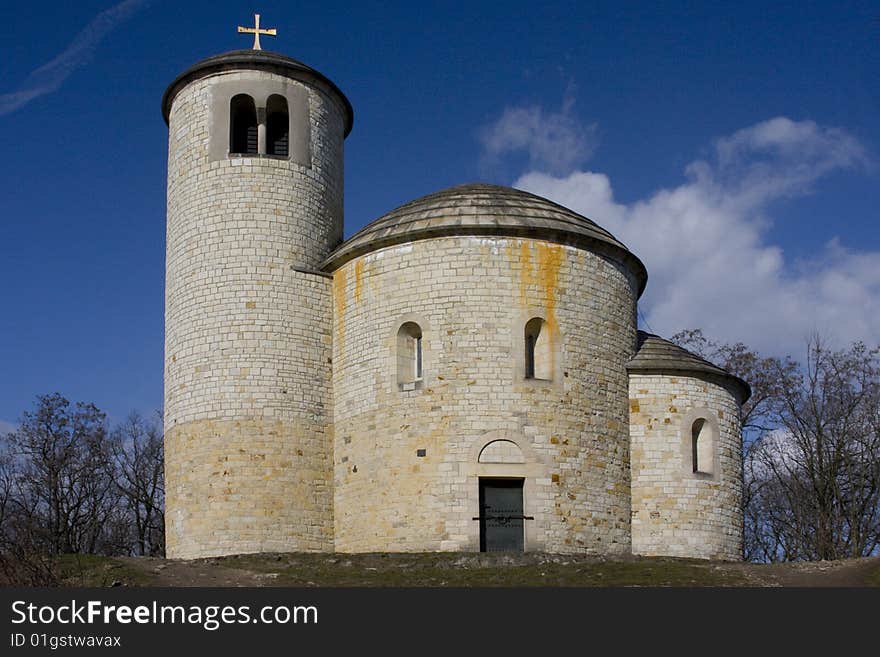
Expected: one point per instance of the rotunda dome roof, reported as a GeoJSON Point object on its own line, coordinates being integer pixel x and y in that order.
{"type": "Point", "coordinates": [655, 354]}
{"type": "Point", "coordinates": [482, 209]}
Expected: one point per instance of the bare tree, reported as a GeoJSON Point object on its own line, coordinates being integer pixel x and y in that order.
{"type": "Point", "coordinates": [138, 460]}
{"type": "Point", "coordinates": [21, 561]}
{"type": "Point", "coordinates": [821, 467]}
{"type": "Point", "coordinates": [62, 485]}
{"type": "Point", "coordinates": [812, 450]}
{"type": "Point", "coordinates": [68, 485]}
{"type": "Point", "coordinates": [767, 376]}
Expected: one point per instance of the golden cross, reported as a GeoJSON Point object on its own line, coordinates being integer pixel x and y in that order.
{"type": "Point", "coordinates": [256, 31]}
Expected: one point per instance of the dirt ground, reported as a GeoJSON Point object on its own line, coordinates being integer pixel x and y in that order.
{"type": "Point", "coordinates": [460, 570]}
{"type": "Point", "coordinates": [844, 573]}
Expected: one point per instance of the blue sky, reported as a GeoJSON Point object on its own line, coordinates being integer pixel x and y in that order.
{"type": "Point", "coordinates": [734, 147]}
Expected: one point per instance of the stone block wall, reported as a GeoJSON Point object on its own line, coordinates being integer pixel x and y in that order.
{"type": "Point", "coordinates": [676, 511]}
{"type": "Point", "coordinates": [248, 344]}
{"type": "Point", "coordinates": [406, 460]}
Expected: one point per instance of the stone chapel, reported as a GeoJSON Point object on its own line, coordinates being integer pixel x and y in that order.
{"type": "Point", "coordinates": [464, 373]}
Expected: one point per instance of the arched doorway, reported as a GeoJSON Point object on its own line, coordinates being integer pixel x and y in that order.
{"type": "Point", "coordinates": [501, 501]}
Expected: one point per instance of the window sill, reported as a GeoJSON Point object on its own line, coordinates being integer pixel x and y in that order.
{"type": "Point", "coordinates": [410, 386]}
{"type": "Point", "coordinates": [259, 156]}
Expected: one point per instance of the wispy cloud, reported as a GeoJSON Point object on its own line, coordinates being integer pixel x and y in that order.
{"type": "Point", "coordinates": [705, 241]}
{"type": "Point", "coordinates": [555, 141]}
{"type": "Point", "coordinates": [50, 76]}
{"type": "Point", "coordinates": [7, 427]}
{"type": "Point", "coordinates": [778, 158]}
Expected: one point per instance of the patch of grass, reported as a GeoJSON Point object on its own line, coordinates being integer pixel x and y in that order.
{"type": "Point", "coordinates": [477, 570]}
{"type": "Point", "coordinates": [97, 571]}
{"type": "Point", "coordinates": [874, 578]}
{"type": "Point", "coordinates": [451, 569]}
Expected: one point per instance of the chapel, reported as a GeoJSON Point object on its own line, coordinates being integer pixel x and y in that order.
{"type": "Point", "coordinates": [465, 373]}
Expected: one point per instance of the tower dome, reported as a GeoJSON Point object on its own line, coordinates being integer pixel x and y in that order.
{"type": "Point", "coordinates": [256, 60]}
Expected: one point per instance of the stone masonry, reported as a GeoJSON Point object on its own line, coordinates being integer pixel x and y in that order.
{"type": "Point", "coordinates": [676, 511]}
{"type": "Point", "coordinates": [247, 348]}
{"type": "Point", "coordinates": [357, 395]}
{"type": "Point", "coordinates": [472, 296]}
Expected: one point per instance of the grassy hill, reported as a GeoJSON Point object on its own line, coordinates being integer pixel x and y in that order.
{"type": "Point", "coordinates": [457, 570]}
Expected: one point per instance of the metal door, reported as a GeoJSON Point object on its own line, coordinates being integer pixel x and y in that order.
{"type": "Point", "coordinates": [501, 515]}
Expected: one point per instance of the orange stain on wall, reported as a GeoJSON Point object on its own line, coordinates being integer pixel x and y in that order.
{"type": "Point", "coordinates": [339, 283]}
{"type": "Point", "coordinates": [526, 273]}
{"type": "Point", "coordinates": [541, 271]}
{"type": "Point", "coordinates": [550, 257]}
{"type": "Point", "coordinates": [358, 280]}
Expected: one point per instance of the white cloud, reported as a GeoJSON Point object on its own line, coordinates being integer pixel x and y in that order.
{"type": "Point", "coordinates": [778, 158]}
{"type": "Point", "coordinates": [705, 247]}
{"type": "Point", "coordinates": [7, 427]}
{"type": "Point", "coordinates": [50, 76]}
{"type": "Point", "coordinates": [554, 141]}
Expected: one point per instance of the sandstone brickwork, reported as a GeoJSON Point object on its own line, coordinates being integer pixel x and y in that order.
{"type": "Point", "coordinates": [675, 511]}
{"type": "Point", "coordinates": [247, 349]}
{"type": "Point", "coordinates": [472, 297]}
{"type": "Point", "coordinates": [325, 395]}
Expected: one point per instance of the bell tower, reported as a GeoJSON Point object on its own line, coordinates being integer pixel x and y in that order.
{"type": "Point", "coordinates": [254, 204]}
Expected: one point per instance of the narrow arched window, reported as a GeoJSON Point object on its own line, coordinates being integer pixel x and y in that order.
{"type": "Point", "coordinates": [702, 449]}
{"type": "Point", "coordinates": [277, 126]}
{"type": "Point", "coordinates": [409, 355]}
{"type": "Point", "coordinates": [242, 125]}
{"type": "Point", "coordinates": [538, 352]}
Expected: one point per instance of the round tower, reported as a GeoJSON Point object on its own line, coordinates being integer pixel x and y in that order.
{"type": "Point", "coordinates": [255, 198]}
{"type": "Point", "coordinates": [686, 451]}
